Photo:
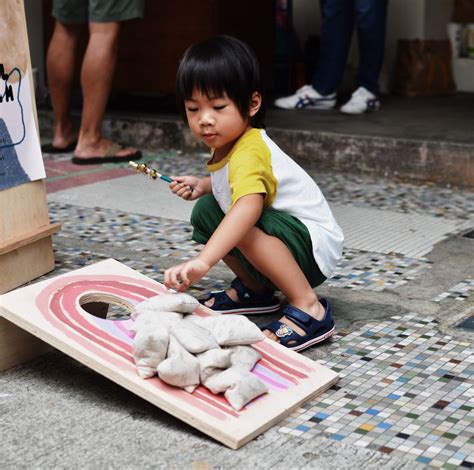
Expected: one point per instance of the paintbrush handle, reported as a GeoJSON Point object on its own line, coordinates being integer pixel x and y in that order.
{"type": "Point", "coordinates": [166, 178]}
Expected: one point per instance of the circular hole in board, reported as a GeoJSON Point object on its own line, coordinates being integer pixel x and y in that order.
{"type": "Point", "coordinates": [106, 306]}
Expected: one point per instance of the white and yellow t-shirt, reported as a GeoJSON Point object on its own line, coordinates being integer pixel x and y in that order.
{"type": "Point", "coordinates": [256, 164]}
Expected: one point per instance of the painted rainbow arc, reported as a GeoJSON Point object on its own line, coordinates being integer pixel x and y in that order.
{"type": "Point", "coordinates": [111, 340]}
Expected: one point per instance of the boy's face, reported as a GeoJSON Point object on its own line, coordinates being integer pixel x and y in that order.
{"type": "Point", "coordinates": [216, 121]}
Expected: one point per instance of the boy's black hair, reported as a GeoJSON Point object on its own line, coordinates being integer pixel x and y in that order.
{"type": "Point", "coordinates": [217, 66]}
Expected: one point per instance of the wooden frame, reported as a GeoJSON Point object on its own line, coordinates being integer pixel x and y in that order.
{"type": "Point", "coordinates": [52, 311]}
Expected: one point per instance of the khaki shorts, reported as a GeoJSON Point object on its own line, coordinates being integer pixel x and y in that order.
{"type": "Point", "coordinates": [96, 11]}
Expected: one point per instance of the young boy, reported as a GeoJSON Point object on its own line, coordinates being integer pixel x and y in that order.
{"type": "Point", "coordinates": [258, 211]}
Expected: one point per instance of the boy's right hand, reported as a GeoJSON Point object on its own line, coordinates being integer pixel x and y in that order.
{"type": "Point", "coordinates": [187, 187]}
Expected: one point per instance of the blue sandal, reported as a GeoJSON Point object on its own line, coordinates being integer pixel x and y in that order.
{"type": "Point", "coordinates": [316, 331]}
{"type": "Point", "coordinates": [249, 302]}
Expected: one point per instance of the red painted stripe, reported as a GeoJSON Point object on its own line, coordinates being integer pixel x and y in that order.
{"type": "Point", "coordinates": [57, 309]}
{"type": "Point", "coordinates": [268, 365]}
{"type": "Point", "coordinates": [80, 180]}
{"type": "Point", "coordinates": [271, 349]}
{"type": "Point", "coordinates": [213, 400]}
{"type": "Point", "coordinates": [283, 366]}
{"type": "Point", "coordinates": [212, 408]}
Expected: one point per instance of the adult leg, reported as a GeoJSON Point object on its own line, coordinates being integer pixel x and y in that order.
{"type": "Point", "coordinates": [336, 34]}
{"type": "Point", "coordinates": [60, 65]}
{"type": "Point", "coordinates": [96, 78]}
{"type": "Point", "coordinates": [371, 19]}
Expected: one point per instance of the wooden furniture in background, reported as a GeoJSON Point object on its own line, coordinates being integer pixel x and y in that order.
{"type": "Point", "coordinates": [26, 249]}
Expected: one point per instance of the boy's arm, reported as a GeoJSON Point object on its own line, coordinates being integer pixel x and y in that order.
{"type": "Point", "coordinates": [243, 215]}
{"type": "Point", "coordinates": [190, 187]}
{"type": "Point", "coordinates": [234, 226]}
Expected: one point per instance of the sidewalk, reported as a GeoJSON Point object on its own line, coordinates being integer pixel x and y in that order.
{"type": "Point", "coordinates": [406, 394]}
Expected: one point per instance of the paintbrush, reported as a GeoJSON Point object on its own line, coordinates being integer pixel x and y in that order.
{"type": "Point", "coordinates": [153, 174]}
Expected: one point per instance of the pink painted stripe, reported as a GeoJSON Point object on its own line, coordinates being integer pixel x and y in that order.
{"type": "Point", "coordinates": [57, 309]}
{"type": "Point", "coordinates": [122, 326]}
{"type": "Point", "coordinates": [273, 376]}
{"type": "Point", "coordinates": [215, 400]}
{"type": "Point", "coordinates": [45, 306]}
{"type": "Point", "coordinates": [49, 307]}
{"type": "Point", "coordinates": [284, 367]}
{"type": "Point", "coordinates": [69, 303]}
{"type": "Point", "coordinates": [111, 326]}
{"type": "Point", "coordinates": [268, 349]}
{"type": "Point", "coordinates": [80, 180]}
{"type": "Point", "coordinates": [268, 365]}
{"type": "Point", "coordinates": [273, 384]}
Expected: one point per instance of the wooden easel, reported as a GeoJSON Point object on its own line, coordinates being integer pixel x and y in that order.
{"type": "Point", "coordinates": [26, 249]}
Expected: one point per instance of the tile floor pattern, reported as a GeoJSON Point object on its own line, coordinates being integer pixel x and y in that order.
{"type": "Point", "coordinates": [375, 271]}
{"type": "Point", "coordinates": [404, 389]}
{"type": "Point", "coordinates": [69, 259]}
{"type": "Point", "coordinates": [165, 237]}
{"type": "Point", "coordinates": [460, 291]}
{"type": "Point", "coordinates": [364, 191]}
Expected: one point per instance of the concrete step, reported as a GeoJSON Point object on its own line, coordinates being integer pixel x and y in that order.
{"type": "Point", "coordinates": [419, 141]}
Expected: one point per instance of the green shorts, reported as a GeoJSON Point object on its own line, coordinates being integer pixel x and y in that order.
{"type": "Point", "coordinates": [96, 11]}
{"type": "Point", "coordinates": [207, 215]}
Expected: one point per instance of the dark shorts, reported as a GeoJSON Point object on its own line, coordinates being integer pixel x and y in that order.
{"type": "Point", "coordinates": [207, 215]}
{"type": "Point", "coordinates": [96, 11]}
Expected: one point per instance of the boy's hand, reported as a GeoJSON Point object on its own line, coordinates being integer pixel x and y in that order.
{"type": "Point", "coordinates": [187, 187]}
{"type": "Point", "coordinates": [180, 277]}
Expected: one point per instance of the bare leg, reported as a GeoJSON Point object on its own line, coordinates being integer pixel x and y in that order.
{"type": "Point", "coordinates": [96, 78]}
{"type": "Point", "coordinates": [248, 281]}
{"type": "Point", "coordinates": [273, 259]}
{"type": "Point", "coordinates": [60, 63]}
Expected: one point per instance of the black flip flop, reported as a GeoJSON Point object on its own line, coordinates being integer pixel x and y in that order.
{"type": "Point", "coordinates": [109, 157]}
{"type": "Point", "coordinates": [50, 148]}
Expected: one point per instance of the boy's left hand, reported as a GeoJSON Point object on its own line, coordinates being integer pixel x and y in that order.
{"type": "Point", "coordinates": [180, 277]}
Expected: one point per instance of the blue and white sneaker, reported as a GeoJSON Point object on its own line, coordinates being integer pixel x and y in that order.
{"type": "Point", "coordinates": [362, 101]}
{"type": "Point", "coordinates": [306, 97]}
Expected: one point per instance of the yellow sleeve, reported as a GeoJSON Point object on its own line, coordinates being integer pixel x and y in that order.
{"type": "Point", "coordinates": [250, 172]}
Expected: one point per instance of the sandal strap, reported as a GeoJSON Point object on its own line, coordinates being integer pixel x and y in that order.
{"type": "Point", "coordinates": [300, 318]}
{"type": "Point", "coordinates": [245, 294]}
{"type": "Point", "coordinates": [221, 299]}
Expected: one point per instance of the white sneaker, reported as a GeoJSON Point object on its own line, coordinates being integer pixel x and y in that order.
{"type": "Point", "coordinates": [306, 97]}
{"type": "Point", "coordinates": [362, 101]}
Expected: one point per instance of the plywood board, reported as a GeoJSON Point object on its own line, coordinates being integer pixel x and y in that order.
{"type": "Point", "coordinates": [17, 345]}
{"type": "Point", "coordinates": [51, 310]}
{"type": "Point", "coordinates": [26, 250]}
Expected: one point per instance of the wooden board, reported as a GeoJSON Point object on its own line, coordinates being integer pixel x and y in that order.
{"type": "Point", "coordinates": [17, 345]}
{"type": "Point", "coordinates": [51, 310]}
{"type": "Point", "coordinates": [26, 250]}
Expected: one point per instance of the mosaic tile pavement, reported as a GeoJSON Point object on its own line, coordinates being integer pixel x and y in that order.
{"type": "Point", "coordinates": [364, 191]}
{"type": "Point", "coordinates": [460, 291]}
{"type": "Point", "coordinates": [171, 238]}
{"type": "Point", "coordinates": [68, 259]}
{"type": "Point", "coordinates": [375, 271]}
{"type": "Point", "coordinates": [404, 390]}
